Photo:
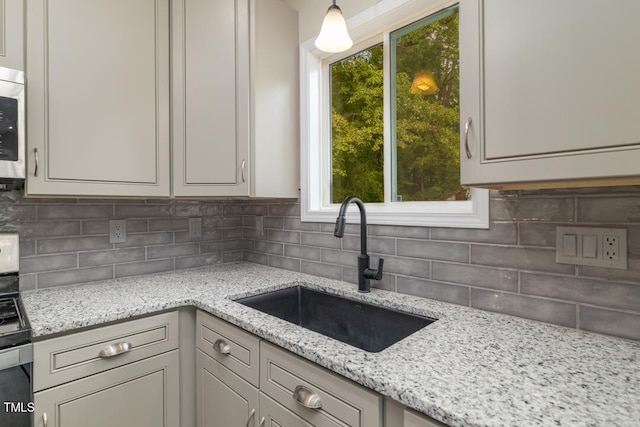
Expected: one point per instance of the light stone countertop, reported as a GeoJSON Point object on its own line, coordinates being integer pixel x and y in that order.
{"type": "Point", "coordinates": [470, 368]}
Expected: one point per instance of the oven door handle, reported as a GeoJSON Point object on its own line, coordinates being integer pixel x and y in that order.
{"type": "Point", "coordinates": [16, 356]}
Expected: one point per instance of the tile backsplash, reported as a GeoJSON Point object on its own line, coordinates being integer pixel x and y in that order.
{"type": "Point", "coordinates": [509, 268]}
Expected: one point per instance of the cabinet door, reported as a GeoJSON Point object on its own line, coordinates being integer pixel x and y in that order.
{"type": "Point", "coordinates": [98, 97]}
{"type": "Point", "coordinates": [142, 394]}
{"type": "Point", "coordinates": [210, 105]}
{"type": "Point", "coordinates": [11, 34]}
{"type": "Point", "coordinates": [275, 415]}
{"type": "Point", "coordinates": [223, 398]}
{"type": "Point", "coordinates": [551, 90]}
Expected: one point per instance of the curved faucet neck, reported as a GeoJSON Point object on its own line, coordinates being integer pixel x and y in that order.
{"type": "Point", "coordinates": [363, 220]}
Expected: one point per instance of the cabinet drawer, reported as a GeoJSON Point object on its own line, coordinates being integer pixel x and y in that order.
{"type": "Point", "coordinates": [234, 348]}
{"type": "Point", "coordinates": [344, 403]}
{"type": "Point", "coordinates": [69, 357]}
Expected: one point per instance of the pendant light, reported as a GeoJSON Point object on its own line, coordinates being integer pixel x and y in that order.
{"type": "Point", "coordinates": [333, 35]}
{"type": "Point", "coordinates": [424, 84]}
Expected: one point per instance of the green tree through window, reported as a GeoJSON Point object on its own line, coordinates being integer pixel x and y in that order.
{"type": "Point", "coordinates": [425, 113]}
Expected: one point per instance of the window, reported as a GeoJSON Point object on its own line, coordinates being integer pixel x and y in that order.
{"type": "Point", "coordinates": [382, 122]}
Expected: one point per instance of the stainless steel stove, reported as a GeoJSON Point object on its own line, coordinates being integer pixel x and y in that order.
{"type": "Point", "coordinates": [16, 351]}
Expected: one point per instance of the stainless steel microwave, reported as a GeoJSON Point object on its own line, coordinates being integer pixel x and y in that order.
{"type": "Point", "coordinates": [12, 128]}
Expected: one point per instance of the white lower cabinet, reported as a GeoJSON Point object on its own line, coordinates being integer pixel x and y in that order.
{"type": "Point", "coordinates": [125, 374]}
{"type": "Point", "coordinates": [141, 394]}
{"type": "Point", "coordinates": [226, 362]}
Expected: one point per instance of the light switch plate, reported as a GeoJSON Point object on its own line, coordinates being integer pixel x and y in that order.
{"type": "Point", "coordinates": [9, 253]}
{"type": "Point", "coordinates": [597, 247]}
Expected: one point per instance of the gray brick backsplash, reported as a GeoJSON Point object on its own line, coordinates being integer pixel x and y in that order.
{"type": "Point", "coordinates": [119, 256]}
{"type": "Point", "coordinates": [322, 270]}
{"type": "Point", "coordinates": [48, 263]}
{"type": "Point", "coordinates": [67, 212]}
{"type": "Point", "coordinates": [560, 313]}
{"type": "Point", "coordinates": [520, 258]}
{"type": "Point", "coordinates": [284, 263]}
{"type": "Point", "coordinates": [198, 261]}
{"type": "Point", "coordinates": [532, 210]}
{"type": "Point", "coordinates": [146, 239]}
{"type": "Point", "coordinates": [72, 244]}
{"type": "Point", "coordinates": [398, 231]}
{"type": "Point", "coordinates": [322, 240]}
{"type": "Point", "coordinates": [596, 292]}
{"type": "Point", "coordinates": [625, 325]}
{"type": "Point", "coordinates": [433, 250]}
{"type": "Point", "coordinates": [509, 268]}
{"type": "Point", "coordinates": [502, 233]}
{"type": "Point", "coordinates": [284, 236]}
{"type": "Point", "coordinates": [378, 245]}
{"type": "Point", "coordinates": [537, 234]}
{"type": "Point", "coordinates": [405, 266]}
{"type": "Point", "coordinates": [483, 277]}
{"type": "Point", "coordinates": [303, 252]}
{"type": "Point", "coordinates": [434, 290]}
{"type": "Point", "coordinates": [618, 209]}
{"type": "Point", "coordinates": [69, 277]}
{"type": "Point", "coordinates": [48, 229]}
{"type": "Point", "coordinates": [144, 267]}
{"type": "Point", "coordinates": [143, 211]}
{"type": "Point", "coordinates": [170, 251]}
{"type": "Point", "coordinates": [269, 248]}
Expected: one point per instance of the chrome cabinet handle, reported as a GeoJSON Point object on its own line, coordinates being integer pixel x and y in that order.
{"type": "Point", "coordinates": [45, 421]}
{"type": "Point", "coordinates": [467, 125]}
{"type": "Point", "coordinates": [242, 168]}
{"type": "Point", "coordinates": [253, 412]}
{"type": "Point", "coordinates": [35, 171]}
{"type": "Point", "coordinates": [115, 349]}
{"type": "Point", "coordinates": [262, 420]}
{"type": "Point", "coordinates": [307, 398]}
{"type": "Point", "coordinates": [221, 346]}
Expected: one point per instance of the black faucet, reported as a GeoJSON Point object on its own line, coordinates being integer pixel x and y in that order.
{"type": "Point", "coordinates": [365, 274]}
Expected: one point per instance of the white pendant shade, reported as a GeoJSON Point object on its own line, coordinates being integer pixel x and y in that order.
{"type": "Point", "coordinates": [333, 35]}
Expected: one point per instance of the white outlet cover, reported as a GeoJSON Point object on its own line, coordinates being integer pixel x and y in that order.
{"type": "Point", "coordinates": [9, 253]}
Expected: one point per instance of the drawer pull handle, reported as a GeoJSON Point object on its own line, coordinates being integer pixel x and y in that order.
{"type": "Point", "coordinates": [253, 412]}
{"type": "Point", "coordinates": [35, 170]}
{"type": "Point", "coordinates": [307, 398]}
{"type": "Point", "coordinates": [115, 349]}
{"type": "Point", "coordinates": [45, 420]}
{"type": "Point", "coordinates": [262, 420]}
{"type": "Point", "coordinates": [221, 346]}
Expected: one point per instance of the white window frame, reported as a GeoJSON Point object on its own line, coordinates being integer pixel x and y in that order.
{"type": "Point", "coordinates": [368, 28]}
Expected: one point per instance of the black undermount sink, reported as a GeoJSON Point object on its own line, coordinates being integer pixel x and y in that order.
{"type": "Point", "coordinates": [366, 326]}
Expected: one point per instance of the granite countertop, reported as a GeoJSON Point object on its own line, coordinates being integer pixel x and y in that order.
{"type": "Point", "coordinates": [470, 368]}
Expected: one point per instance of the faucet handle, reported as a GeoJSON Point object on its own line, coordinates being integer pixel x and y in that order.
{"type": "Point", "coordinates": [370, 273]}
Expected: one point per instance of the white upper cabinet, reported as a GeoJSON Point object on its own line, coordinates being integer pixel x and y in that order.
{"type": "Point", "coordinates": [550, 91]}
{"type": "Point", "coordinates": [98, 97]}
{"type": "Point", "coordinates": [11, 34]}
{"type": "Point", "coordinates": [235, 98]}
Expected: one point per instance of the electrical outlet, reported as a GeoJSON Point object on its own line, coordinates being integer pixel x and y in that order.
{"type": "Point", "coordinates": [118, 231]}
{"type": "Point", "coordinates": [195, 227]}
{"type": "Point", "coordinates": [611, 246]}
{"type": "Point", "coordinates": [592, 246]}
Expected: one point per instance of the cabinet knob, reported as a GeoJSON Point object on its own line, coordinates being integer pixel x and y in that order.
{"type": "Point", "coordinates": [467, 125]}
{"type": "Point", "coordinates": [221, 346]}
{"type": "Point", "coordinates": [115, 349]}
{"type": "Point", "coordinates": [307, 398]}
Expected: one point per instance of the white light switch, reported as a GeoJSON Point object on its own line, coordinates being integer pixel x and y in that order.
{"type": "Point", "coordinates": [569, 244]}
{"type": "Point", "coordinates": [589, 246]}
